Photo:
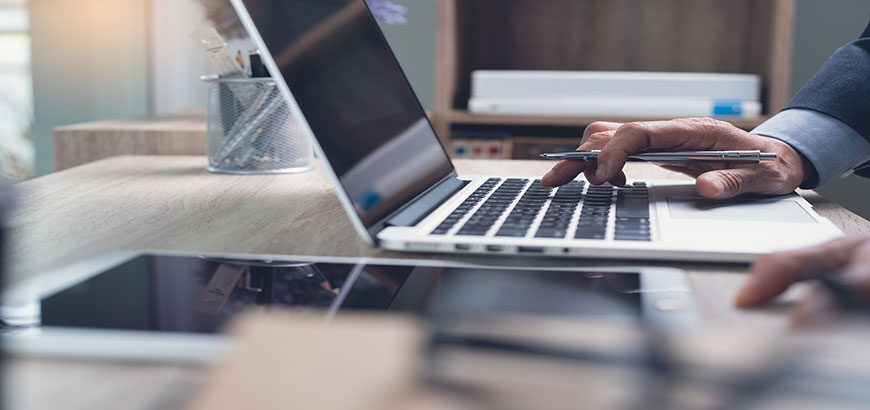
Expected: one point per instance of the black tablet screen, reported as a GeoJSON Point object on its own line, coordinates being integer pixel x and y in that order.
{"type": "Point", "coordinates": [197, 294]}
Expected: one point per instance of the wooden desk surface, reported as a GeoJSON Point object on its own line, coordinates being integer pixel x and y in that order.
{"type": "Point", "coordinates": [170, 203]}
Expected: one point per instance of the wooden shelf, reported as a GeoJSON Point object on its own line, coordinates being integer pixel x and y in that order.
{"type": "Point", "coordinates": [708, 36]}
{"type": "Point", "coordinates": [465, 117]}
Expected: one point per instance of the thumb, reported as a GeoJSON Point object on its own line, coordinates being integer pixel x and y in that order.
{"type": "Point", "coordinates": [726, 183]}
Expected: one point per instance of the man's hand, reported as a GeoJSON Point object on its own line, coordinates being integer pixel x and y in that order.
{"type": "Point", "coordinates": [718, 180]}
{"type": "Point", "coordinates": [847, 258]}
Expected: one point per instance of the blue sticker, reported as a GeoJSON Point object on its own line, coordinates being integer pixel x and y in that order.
{"type": "Point", "coordinates": [727, 108]}
{"type": "Point", "coordinates": [369, 200]}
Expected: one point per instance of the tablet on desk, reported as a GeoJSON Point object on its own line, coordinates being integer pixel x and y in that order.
{"type": "Point", "coordinates": [134, 306]}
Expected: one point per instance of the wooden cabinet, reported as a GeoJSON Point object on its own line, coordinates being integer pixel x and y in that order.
{"type": "Point", "coordinates": [181, 133]}
{"type": "Point", "coordinates": [722, 36]}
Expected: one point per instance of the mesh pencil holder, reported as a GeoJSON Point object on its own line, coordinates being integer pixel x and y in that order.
{"type": "Point", "coordinates": [251, 129]}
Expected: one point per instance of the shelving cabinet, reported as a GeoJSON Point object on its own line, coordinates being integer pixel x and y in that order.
{"type": "Point", "coordinates": [721, 36]}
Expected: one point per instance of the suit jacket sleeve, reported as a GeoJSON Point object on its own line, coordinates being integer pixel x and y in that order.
{"type": "Point", "coordinates": [842, 88]}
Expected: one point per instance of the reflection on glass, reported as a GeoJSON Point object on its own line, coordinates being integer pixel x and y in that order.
{"type": "Point", "coordinates": [195, 294]}
{"type": "Point", "coordinates": [355, 98]}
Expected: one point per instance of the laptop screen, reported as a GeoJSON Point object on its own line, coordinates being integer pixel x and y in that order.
{"type": "Point", "coordinates": [355, 98]}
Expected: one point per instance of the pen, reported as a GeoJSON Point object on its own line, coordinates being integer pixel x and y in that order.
{"type": "Point", "coordinates": [240, 59]}
{"type": "Point", "coordinates": [691, 156]}
{"type": "Point", "coordinates": [845, 297]}
{"type": "Point", "coordinates": [215, 48]}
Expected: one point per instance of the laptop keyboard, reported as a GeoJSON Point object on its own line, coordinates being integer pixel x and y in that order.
{"type": "Point", "coordinates": [466, 206]}
{"type": "Point", "coordinates": [488, 213]}
{"type": "Point", "coordinates": [559, 207]}
{"type": "Point", "coordinates": [559, 215]}
{"type": "Point", "coordinates": [632, 213]}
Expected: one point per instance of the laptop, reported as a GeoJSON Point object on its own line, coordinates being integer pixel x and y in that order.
{"type": "Point", "coordinates": [401, 191]}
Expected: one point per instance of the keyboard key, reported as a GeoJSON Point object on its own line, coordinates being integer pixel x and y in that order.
{"type": "Point", "coordinates": [550, 233]}
{"type": "Point", "coordinates": [632, 238]}
{"type": "Point", "coordinates": [597, 236]}
{"type": "Point", "coordinates": [632, 207]}
{"type": "Point", "coordinates": [515, 233]}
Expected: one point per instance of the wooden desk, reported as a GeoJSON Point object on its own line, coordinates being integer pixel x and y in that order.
{"type": "Point", "coordinates": [170, 203]}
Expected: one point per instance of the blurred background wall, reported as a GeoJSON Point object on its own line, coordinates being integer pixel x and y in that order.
{"type": "Point", "coordinates": [101, 59]}
{"type": "Point", "coordinates": [90, 62]}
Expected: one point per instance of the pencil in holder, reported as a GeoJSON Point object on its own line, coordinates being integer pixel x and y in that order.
{"type": "Point", "coordinates": [251, 129]}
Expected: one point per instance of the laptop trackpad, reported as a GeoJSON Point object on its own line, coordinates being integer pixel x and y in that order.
{"type": "Point", "coordinates": [779, 209]}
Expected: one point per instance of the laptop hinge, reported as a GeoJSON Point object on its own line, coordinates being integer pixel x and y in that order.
{"type": "Point", "coordinates": [423, 205]}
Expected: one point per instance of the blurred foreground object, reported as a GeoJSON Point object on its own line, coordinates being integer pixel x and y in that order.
{"type": "Point", "coordinates": [841, 269]}
{"type": "Point", "coordinates": [5, 207]}
{"type": "Point", "coordinates": [17, 154]}
{"type": "Point", "coordinates": [372, 362]}
{"type": "Point", "coordinates": [358, 363]}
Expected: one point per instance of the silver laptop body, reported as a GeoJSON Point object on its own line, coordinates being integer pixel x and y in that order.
{"type": "Point", "coordinates": [401, 191]}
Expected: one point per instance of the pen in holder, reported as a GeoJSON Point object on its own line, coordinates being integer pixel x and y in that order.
{"type": "Point", "coordinates": [251, 129]}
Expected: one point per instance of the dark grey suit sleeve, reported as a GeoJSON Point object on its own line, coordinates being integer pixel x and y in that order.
{"type": "Point", "coordinates": [841, 89]}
